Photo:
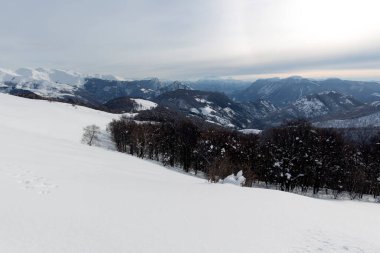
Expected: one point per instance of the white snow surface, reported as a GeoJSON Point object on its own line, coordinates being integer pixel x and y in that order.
{"type": "Point", "coordinates": [250, 131]}
{"type": "Point", "coordinates": [143, 104]}
{"type": "Point", "coordinates": [207, 110]}
{"type": "Point", "coordinates": [194, 110]}
{"type": "Point", "coordinates": [58, 195]}
{"type": "Point", "coordinates": [237, 179]}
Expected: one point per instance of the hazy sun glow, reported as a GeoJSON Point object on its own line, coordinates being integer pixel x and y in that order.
{"type": "Point", "coordinates": [288, 26]}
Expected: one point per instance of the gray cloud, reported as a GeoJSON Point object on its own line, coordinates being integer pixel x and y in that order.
{"type": "Point", "coordinates": [188, 39]}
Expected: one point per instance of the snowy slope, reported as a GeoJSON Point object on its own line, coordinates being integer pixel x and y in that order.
{"type": "Point", "coordinates": [212, 107]}
{"type": "Point", "coordinates": [323, 103]}
{"type": "Point", "coordinates": [143, 104]}
{"type": "Point", "coordinates": [315, 106]}
{"type": "Point", "coordinates": [250, 131]}
{"type": "Point", "coordinates": [58, 195]}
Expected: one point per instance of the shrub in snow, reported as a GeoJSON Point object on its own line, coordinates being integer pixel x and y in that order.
{"type": "Point", "coordinates": [239, 179]}
{"type": "Point", "coordinates": [90, 134]}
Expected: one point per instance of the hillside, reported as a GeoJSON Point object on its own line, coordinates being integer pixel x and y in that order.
{"type": "Point", "coordinates": [61, 196]}
{"type": "Point", "coordinates": [371, 120]}
{"type": "Point", "coordinates": [315, 106]}
{"type": "Point", "coordinates": [210, 106]}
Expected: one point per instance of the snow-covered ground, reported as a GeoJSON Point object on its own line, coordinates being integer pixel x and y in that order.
{"type": "Point", "coordinates": [250, 131]}
{"type": "Point", "coordinates": [58, 195]}
{"type": "Point", "coordinates": [143, 104]}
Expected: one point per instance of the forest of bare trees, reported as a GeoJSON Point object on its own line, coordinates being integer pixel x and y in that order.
{"type": "Point", "coordinates": [293, 157]}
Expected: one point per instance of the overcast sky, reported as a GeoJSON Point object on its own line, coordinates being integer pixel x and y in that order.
{"type": "Point", "coordinates": [245, 39]}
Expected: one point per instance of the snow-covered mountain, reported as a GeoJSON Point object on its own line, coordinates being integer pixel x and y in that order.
{"type": "Point", "coordinates": [282, 92]}
{"type": "Point", "coordinates": [101, 90]}
{"type": "Point", "coordinates": [278, 91]}
{"type": "Point", "coordinates": [58, 195]}
{"type": "Point", "coordinates": [58, 76]}
{"type": "Point", "coordinates": [324, 103]}
{"type": "Point", "coordinates": [69, 86]}
{"type": "Point", "coordinates": [42, 82]}
{"type": "Point", "coordinates": [265, 103]}
{"type": "Point", "coordinates": [46, 82]}
{"type": "Point", "coordinates": [371, 120]}
{"type": "Point", "coordinates": [112, 94]}
{"type": "Point", "coordinates": [260, 109]}
{"type": "Point", "coordinates": [176, 85]}
{"type": "Point", "coordinates": [363, 116]}
{"type": "Point", "coordinates": [313, 107]}
{"type": "Point", "coordinates": [210, 106]}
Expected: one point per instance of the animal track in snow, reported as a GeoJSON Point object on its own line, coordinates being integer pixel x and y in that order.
{"type": "Point", "coordinates": [39, 184]}
{"type": "Point", "coordinates": [28, 180]}
{"type": "Point", "coordinates": [319, 241]}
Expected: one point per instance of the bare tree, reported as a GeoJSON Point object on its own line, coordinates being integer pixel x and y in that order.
{"type": "Point", "coordinates": [90, 134]}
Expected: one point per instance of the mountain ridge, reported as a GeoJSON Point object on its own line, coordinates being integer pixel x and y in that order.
{"type": "Point", "coordinates": [264, 103]}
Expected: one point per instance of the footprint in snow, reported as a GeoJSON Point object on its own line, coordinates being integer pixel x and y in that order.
{"type": "Point", "coordinates": [324, 241]}
{"type": "Point", "coordinates": [28, 180]}
{"type": "Point", "coordinates": [38, 184]}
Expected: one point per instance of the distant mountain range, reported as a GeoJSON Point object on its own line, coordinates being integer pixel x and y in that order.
{"type": "Point", "coordinates": [230, 103]}
{"type": "Point", "coordinates": [281, 92]}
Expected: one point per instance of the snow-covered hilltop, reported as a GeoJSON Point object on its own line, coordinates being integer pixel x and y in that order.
{"type": "Point", "coordinates": [43, 82]}
{"type": "Point", "coordinates": [29, 75]}
{"type": "Point", "coordinates": [59, 195]}
{"type": "Point", "coordinates": [47, 82]}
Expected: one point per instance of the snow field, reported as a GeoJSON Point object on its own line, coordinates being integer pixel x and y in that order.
{"type": "Point", "coordinates": [58, 195]}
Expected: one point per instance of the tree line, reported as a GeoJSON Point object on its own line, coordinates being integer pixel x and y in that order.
{"type": "Point", "coordinates": [293, 157]}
